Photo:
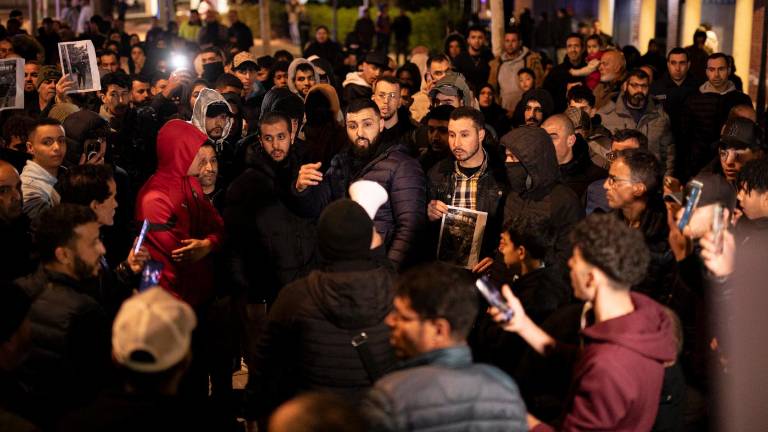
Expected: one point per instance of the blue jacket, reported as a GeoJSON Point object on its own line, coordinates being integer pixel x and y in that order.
{"type": "Point", "coordinates": [443, 390]}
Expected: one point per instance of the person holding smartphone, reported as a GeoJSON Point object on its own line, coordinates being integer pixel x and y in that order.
{"type": "Point", "coordinates": [628, 338]}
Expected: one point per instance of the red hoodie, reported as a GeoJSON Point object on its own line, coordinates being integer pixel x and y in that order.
{"type": "Point", "coordinates": [617, 380]}
{"type": "Point", "coordinates": [177, 209]}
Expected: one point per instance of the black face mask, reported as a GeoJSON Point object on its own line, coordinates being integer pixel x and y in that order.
{"type": "Point", "coordinates": [518, 177]}
{"type": "Point", "coordinates": [212, 71]}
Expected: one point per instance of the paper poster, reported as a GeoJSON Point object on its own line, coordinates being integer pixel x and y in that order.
{"type": "Point", "coordinates": [461, 236]}
{"type": "Point", "coordinates": [78, 61]}
{"type": "Point", "coordinates": [11, 84]}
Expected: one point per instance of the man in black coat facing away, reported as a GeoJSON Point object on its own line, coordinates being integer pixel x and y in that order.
{"type": "Point", "coordinates": [366, 157]}
{"type": "Point", "coordinates": [307, 340]}
{"type": "Point", "coordinates": [271, 246]}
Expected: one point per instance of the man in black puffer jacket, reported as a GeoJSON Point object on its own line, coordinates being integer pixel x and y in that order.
{"type": "Point", "coordinates": [69, 360]}
{"type": "Point", "coordinates": [402, 217]}
{"type": "Point", "coordinates": [536, 188]}
{"type": "Point", "coordinates": [270, 245]}
{"type": "Point", "coordinates": [306, 344]}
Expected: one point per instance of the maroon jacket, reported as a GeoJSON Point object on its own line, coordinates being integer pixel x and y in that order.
{"type": "Point", "coordinates": [177, 209]}
{"type": "Point", "coordinates": [617, 380]}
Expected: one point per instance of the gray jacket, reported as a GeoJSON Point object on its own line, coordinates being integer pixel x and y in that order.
{"type": "Point", "coordinates": [443, 390]}
{"type": "Point", "coordinates": [654, 123]}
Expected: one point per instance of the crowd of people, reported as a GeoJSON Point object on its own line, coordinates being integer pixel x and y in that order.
{"type": "Point", "coordinates": [208, 211]}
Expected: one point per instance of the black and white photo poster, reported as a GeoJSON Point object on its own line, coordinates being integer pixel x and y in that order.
{"type": "Point", "coordinates": [461, 236]}
{"type": "Point", "coordinates": [78, 62]}
{"type": "Point", "coordinates": [11, 84]}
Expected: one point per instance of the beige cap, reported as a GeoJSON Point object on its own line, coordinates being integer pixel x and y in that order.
{"type": "Point", "coordinates": [152, 331]}
{"type": "Point", "coordinates": [243, 57]}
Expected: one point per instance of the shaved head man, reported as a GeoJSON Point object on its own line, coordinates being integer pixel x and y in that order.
{"type": "Point", "coordinates": [563, 134]}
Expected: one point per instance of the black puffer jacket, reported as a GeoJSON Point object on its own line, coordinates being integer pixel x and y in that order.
{"type": "Point", "coordinates": [544, 195]}
{"type": "Point", "coordinates": [400, 219]}
{"type": "Point", "coordinates": [270, 244]}
{"type": "Point", "coordinates": [70, 357]}
{"type": "Point", "coordinates": [306, 344]}
{"type": "Point", "coordinates": [491, 191]}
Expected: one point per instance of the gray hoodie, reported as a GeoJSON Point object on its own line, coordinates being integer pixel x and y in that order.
{"type": "Point", "coordinates": [206, 98]}
{"type": "Point", "coordinates": [37, 188]}
{"type": "Point", "coordinates": [292, 74]}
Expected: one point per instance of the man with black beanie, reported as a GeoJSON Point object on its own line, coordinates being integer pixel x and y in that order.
{"type": "Point", "coordinates": [305, 344]}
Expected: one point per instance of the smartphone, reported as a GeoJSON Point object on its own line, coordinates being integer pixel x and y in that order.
{"type": "Point", "coordinates": [92, 148]}
{"type": "Point", "coordinates": [142, 234]}
{"type": "Point", "coordinates": [150, 276]}
{"type": "Point", "coordinates": [718, 226]}
{"type": "Point", "coordinates": [691, 201]}
{"type": "Point", "coordinates": [493, 295]}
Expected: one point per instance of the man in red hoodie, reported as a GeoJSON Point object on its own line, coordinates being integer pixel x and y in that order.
{"type": "Point", "coordinates": [184, 226]}
{"type": "Point", "coordinates": [627, 339]}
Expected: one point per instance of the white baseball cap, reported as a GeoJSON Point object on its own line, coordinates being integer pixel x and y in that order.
{"type": "Point", "coordinates": [152, 331]}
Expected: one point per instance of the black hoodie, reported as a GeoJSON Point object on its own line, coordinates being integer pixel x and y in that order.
{"type": "Point", "coordinates": [306, 342]}
{"type": "Point", "coordinates": [544, 195]}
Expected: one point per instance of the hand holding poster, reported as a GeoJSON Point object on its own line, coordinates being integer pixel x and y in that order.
{"type": "Point", "coordinates": [461, 236]}
{"type": "Point", "coordinates": [78, 62]}
{"type": "Point", "coordinates": [11, 83]}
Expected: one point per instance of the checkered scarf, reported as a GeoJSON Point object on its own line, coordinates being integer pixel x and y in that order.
{"type": "Point", "coordinates": [465, 193]}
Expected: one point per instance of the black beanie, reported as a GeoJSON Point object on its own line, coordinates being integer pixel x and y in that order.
{"type": "Point", "coordinates": [344, 231]}
{"type": "Point", "coordinates": [14, 305]}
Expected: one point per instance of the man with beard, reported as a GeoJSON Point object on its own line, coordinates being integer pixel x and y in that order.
{"type": "Point", "coordinates": [472, 179]}
{"type": "Point", "coordinates": [538, 106]}
{"type": "Point", "coordinates": [474, 63]}
{"type": "Point", "coordinates": [70, 357]}
{"type": "Point", "coordinates": [140, 91]}
{"type": "Point", "coordinates": [301, 77]}
{"type": "Point", "coordinates": [386, 94]}
{"type": "Point", "coordinates": [212, 115]}
{"type": "Point", "coordinates": [400, 219]}
{"type": "Point", "coordinates": [635, 110]}
{"type": "Point", "coordinates": [613, 67]}
{"type": "Point", "coordinates": [271, 245]}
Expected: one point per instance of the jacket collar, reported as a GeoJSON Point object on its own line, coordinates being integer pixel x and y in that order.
{"type": "Point", "coordinates": [454, 357]}
{"type": "Point", "coordinates": [708, 88]}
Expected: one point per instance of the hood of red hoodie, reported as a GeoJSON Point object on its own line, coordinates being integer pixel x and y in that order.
{"type": "Point", "coordinates": [648, 330]}
{"type": "Point", "coordinates": [177, 146]}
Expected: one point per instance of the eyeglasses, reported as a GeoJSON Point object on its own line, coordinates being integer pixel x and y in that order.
{"type": "Point", "coordinates": [612, 180]}
{"type": "Point", "coordinates": [738, 155]}
{"type": "Point", "coordinates": [387, 96]}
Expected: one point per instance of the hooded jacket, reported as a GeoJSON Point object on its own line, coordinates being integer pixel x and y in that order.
{"type": "Point", "coordinates": [203, 101]}
{"type": "Point", "coordinates": [306, 342]}
{"type": "Point", "coordinates": [177, 209]}
{"type": "Point", "coordinates": [292, 74]}
{"type": "Point", "coordinates": [543, 195]}
{"type": "Point", "coordinates": [618, 378]}
{"type": "Point", "coordinates": [356, 87]}
{"type": "Point", "coordinates": [654, 124]}
{"type": "Point", "coordinates": [540, 95]}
